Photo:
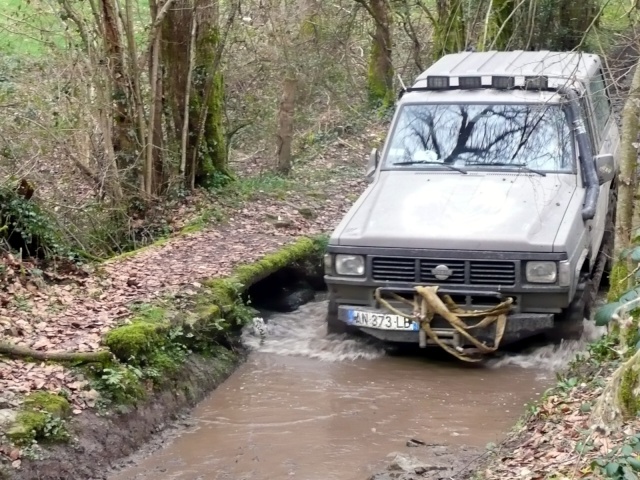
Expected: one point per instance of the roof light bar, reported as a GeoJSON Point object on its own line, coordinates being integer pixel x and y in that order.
{"type": "Point", "coordinates": [536, 83]}
{"type": "Point", "coordinates": [470, 82]}
{"type": "Point", "coordinates": [502, 82]}
{"type": "Point", "coordinates": [438, 83]}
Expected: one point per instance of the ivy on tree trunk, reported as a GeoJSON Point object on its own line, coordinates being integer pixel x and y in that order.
{"type": "Point", "coordinates": [449, 35]}
{"type": "Point", "coordinates": [502, 24]}
{"type": "Point", "coordinates": [124, 144]}
{"type": "Point", "coordinates": [203, 105]}
{"type": "Point", "coordinates": [380, 73]}
{"type": "Point", "coordinates": [207, 105]}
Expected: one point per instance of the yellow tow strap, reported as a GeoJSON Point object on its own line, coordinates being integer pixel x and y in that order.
{"type": "Point", "coordinates": [427, 303]}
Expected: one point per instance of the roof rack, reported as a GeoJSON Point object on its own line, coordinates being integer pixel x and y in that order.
{"type": "Point", "coordinates": [499, 82]}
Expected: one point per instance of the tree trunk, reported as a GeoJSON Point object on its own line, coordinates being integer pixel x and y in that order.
{"type": "Point", "coordinates": [284, 135]}
{"type": "Point", "coordinates": [212, 148]}
{"type": "Point", "coordinates": [574, 18]}
{"type": "Point", "coordinates": [176, 34]}
{"type": "Point", "coordinates": [149, 167]}
{"type": "Point", "coordinates": [16, 351]}
{"type": "Point", "coordinates": [556, 25]}
{"type": "Point", "coordinates": [620, 399]}
{"type": "Point", "coordinates": [416, 44]}
{"type": "Point", "coordinates": [184, 140]}
{"type": "Point", "coordinates": [159, 183]}
{"type": "Point", "coordinates": [502, 24]}
{"type": "Point", "coordinates": [627, 182]}
{"type": "Point", "coordinates": [138, 102]}
{"type": "Point", "coordinates": [123, 144]}
{"type": "Point", "coordinates": [449, 35]}
{"type": "Point", "coordinates": [195, 90]}
{"type": "Point", "coordinates": [380, 76]}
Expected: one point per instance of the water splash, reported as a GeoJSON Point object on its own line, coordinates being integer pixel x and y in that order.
{"type": "Point", "coordinates": [553, 357]}
{"type": "Point", "coordinates": [303, 333]}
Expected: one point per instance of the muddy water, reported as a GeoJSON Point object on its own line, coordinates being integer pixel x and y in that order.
{"type": "Point", "coordinates": [307, 406]}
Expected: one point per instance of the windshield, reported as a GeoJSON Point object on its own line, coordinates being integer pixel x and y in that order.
{"type": "Point", "coordinates": [530, 135]}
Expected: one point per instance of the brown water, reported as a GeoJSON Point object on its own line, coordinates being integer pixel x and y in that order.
{"type": "Point", "coordinates": [310, 407]}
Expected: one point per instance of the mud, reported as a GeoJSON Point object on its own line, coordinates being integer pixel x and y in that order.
{"type": "Point", "coordinates": [308, 406]}
{"type": "Point", "coordinates": [99, 441]}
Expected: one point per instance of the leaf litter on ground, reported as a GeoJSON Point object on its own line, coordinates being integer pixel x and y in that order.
{"type": "Point", "coordinates": [558, 440]}
{"type": "Point", "coordinates": [67, 309]}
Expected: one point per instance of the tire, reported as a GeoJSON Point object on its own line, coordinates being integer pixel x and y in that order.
{"type": "Point", "coordinates": [569, 325]}
{"type": "Point", "coordinates": [609, 233]}
{"type": "Point", "coordinates": [335, 326]}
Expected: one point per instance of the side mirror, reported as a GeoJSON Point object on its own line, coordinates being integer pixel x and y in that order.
{"type": "Point", "coordinates": [605, 167]}
{"type": "Point", "coordinates": [372, 165]}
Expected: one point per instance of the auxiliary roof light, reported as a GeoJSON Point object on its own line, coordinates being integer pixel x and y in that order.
{"type": "Point", "coordinates": [503, 82]}
{"type": "Point", "coordinates": [470, 82]}
{"type": "Point", "coordinates": [438, 83]}
{"type": "Point", "coordinates": [536, 83]}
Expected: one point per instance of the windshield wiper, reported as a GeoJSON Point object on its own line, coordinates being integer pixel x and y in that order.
{"type": "Point", "coordinates": [515, 165]}
{"type": "Point", "coordinates": [419, 162]}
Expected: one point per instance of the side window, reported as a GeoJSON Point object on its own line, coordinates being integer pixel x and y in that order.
{"type": "Point", "coordinates": [600, 100]}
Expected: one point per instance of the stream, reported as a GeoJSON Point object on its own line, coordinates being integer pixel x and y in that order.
{"type": "Point", "coordinates": [314, 407]}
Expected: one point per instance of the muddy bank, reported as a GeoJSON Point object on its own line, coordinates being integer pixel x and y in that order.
{"type": "Point", "coordinates": [99, 440]}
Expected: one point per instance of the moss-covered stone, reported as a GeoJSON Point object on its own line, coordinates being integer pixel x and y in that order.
{"type": "Point", "coordinates": [207, 311]}
{"type": "Point", "coordinates": [135, 340]}
{"type": "Point", "coordinates": [224, 292]}
{"type": "Point", "coordinates": [56, 405]}
{"type": "Point", "coordinates": [166, 363]}
{"type": "Point", "coordinates": [157, 342]}
{"type": "Point", "coordinates": [26, 427]}
{"type": "Point", "coordinates": [40, 419]}
{"type": "Point", "coordinates": [151, 313]}
{"type": "Point", "coordinates": [298, 251]}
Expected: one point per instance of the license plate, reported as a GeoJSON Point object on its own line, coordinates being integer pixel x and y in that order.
{"type": "Point", "coordinates": [382, 321]}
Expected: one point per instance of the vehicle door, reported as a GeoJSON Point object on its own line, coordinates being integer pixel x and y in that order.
{"type": "Point", "coordinates": [605, 140]}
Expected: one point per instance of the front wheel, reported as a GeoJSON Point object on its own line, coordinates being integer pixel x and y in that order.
{"type": "Point", "coordinates": [335, 326]}
{"type": "Point", "coordinates": [569, 325]}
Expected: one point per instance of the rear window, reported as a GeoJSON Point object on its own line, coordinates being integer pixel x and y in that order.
{"type": "Point", "coordinates": [481, 136]}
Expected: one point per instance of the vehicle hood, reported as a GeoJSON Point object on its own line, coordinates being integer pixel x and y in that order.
{"type": "Point", "coordinates": [448, 210]}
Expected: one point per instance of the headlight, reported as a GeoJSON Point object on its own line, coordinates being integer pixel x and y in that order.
{"type": "Point", "coordinates": [349, 265]}
{"type": "Point", "coordinates": [542, 272]}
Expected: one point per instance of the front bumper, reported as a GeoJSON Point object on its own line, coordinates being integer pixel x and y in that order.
{"type": "Point", "coordinates": [519, 326]}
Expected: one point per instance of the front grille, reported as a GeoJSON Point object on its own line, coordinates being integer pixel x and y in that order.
{"type": "Point", "coordinates": [492, 273]}
{"type": "Point", "coordinates": [394, 269]}
{"type": "Point", "coordinates": [469, 272]}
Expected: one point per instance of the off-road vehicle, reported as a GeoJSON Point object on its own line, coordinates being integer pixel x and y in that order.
{"type": "Point", "coordinates": [497, 180]}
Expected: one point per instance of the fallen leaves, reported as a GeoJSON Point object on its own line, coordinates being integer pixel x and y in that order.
{"type": "Point", "coordinates": [66, 308]}
{"type": "Point", "coordinates": [558, 441]}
